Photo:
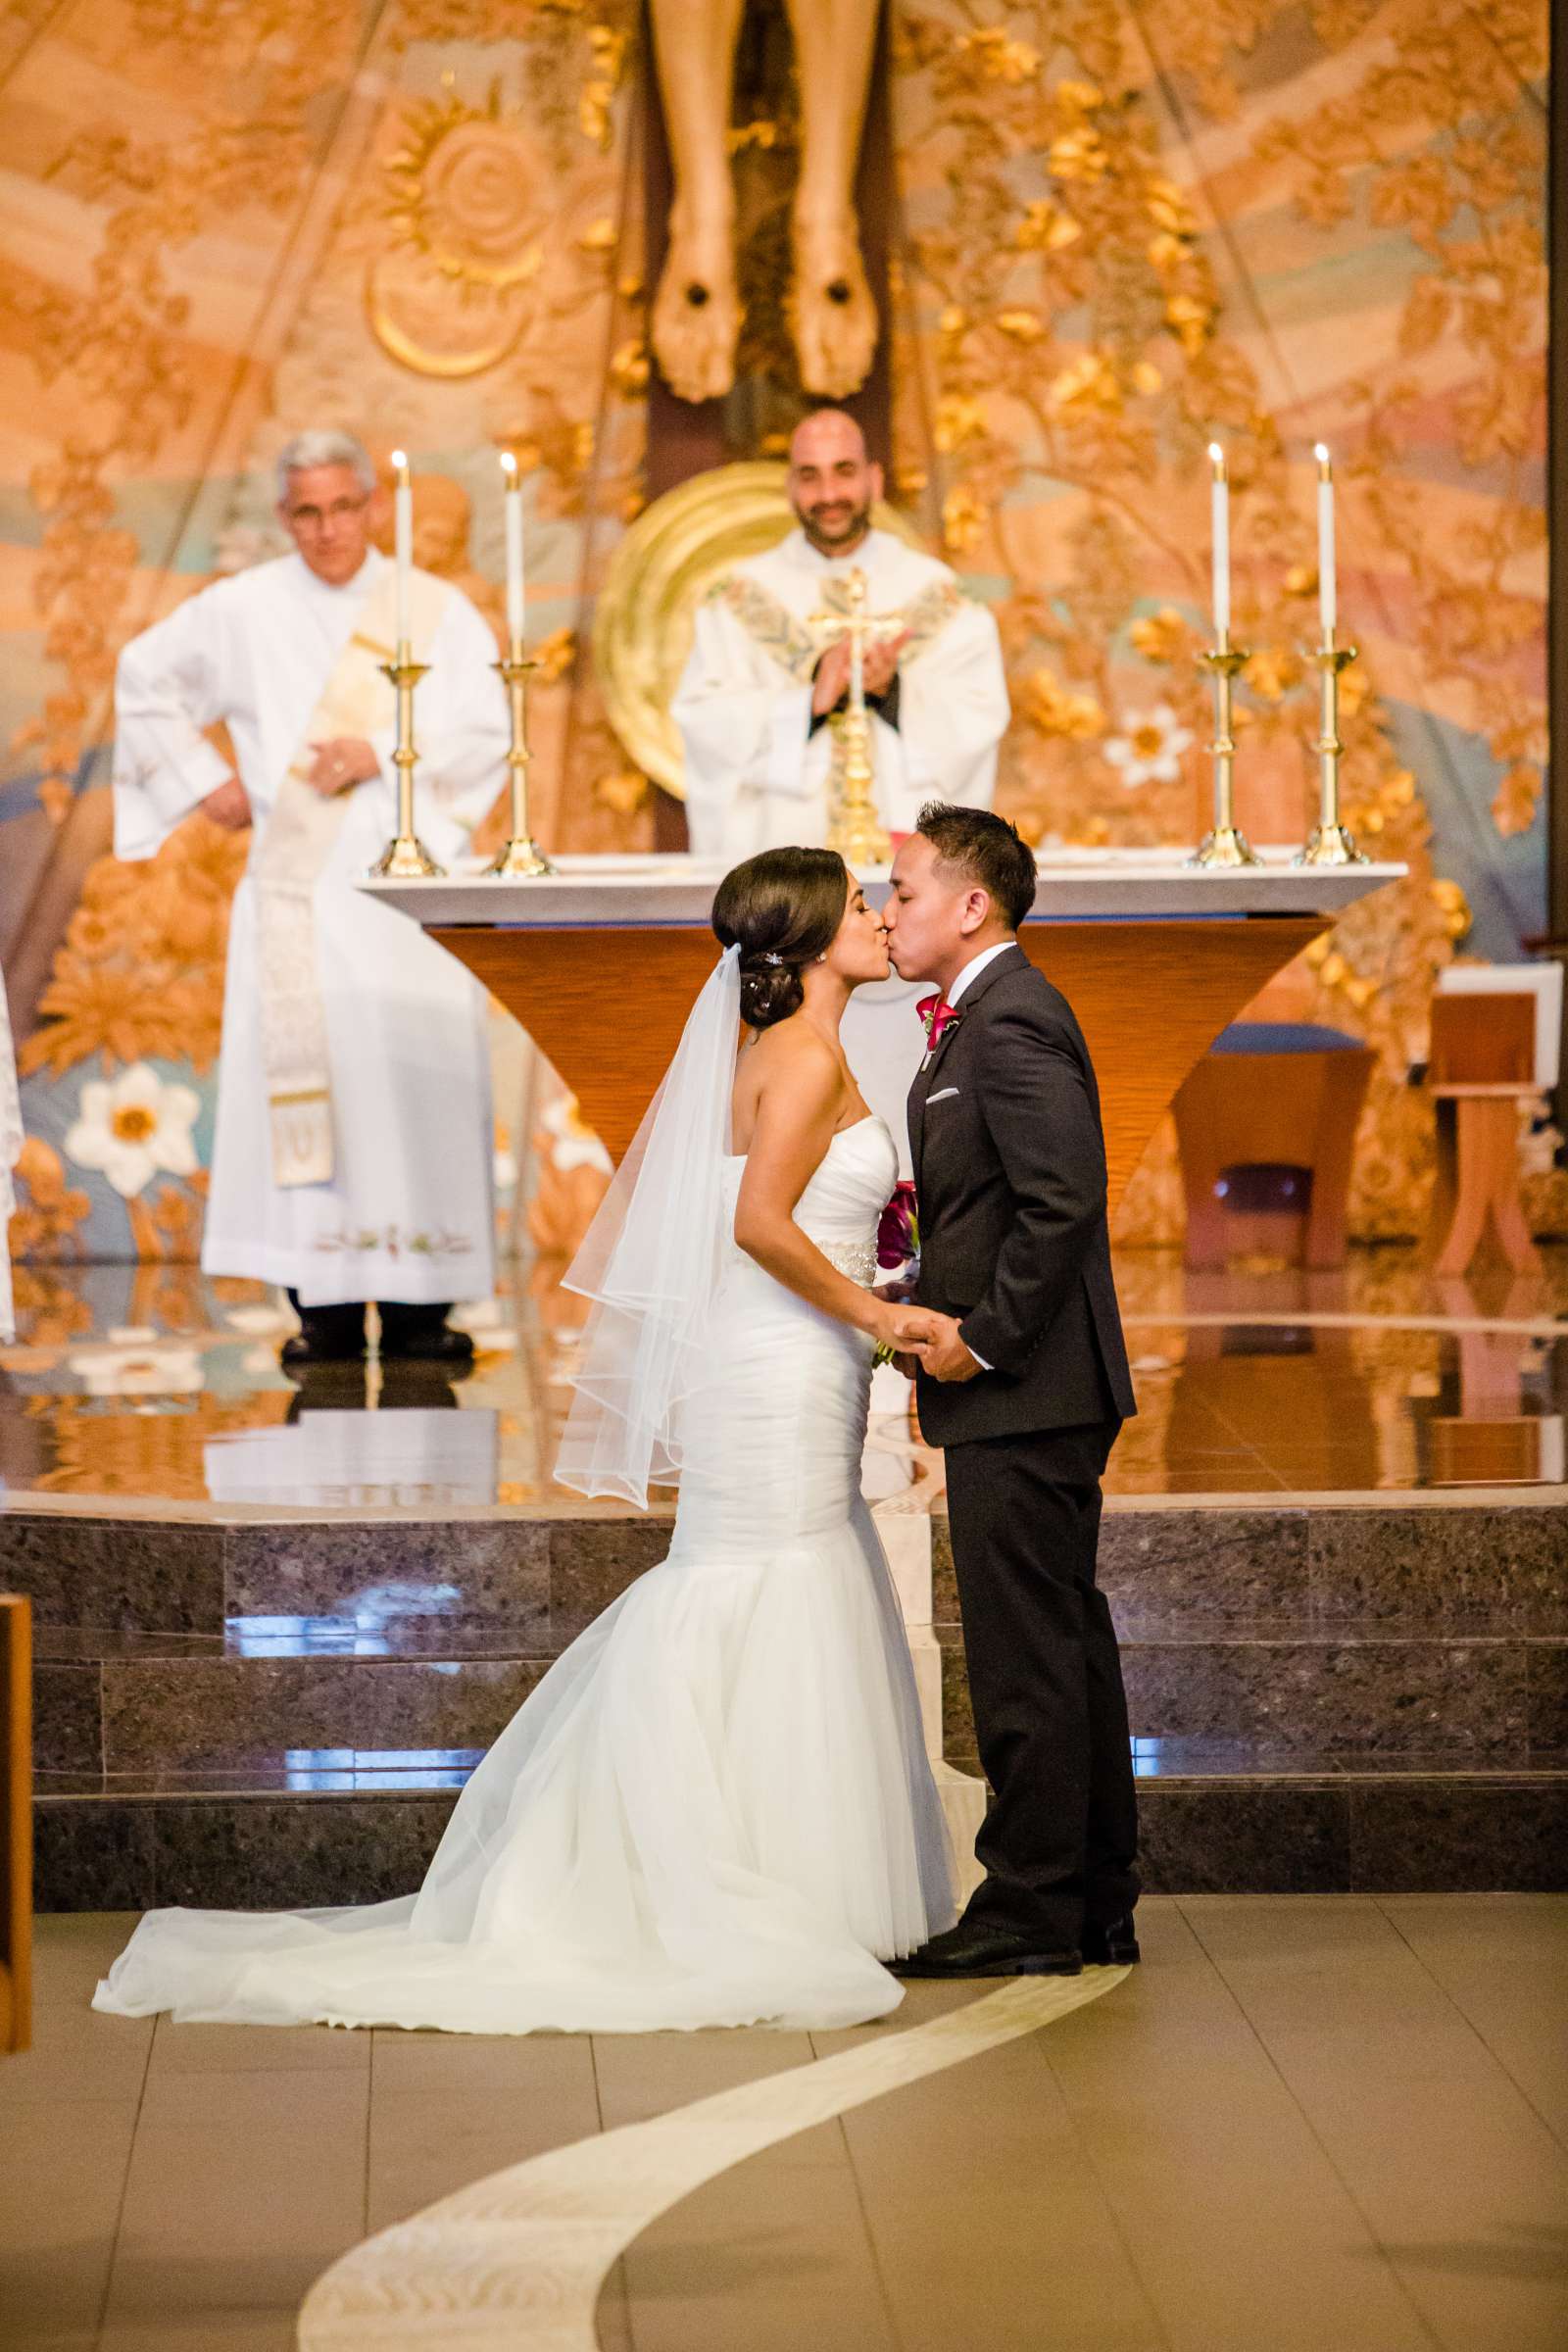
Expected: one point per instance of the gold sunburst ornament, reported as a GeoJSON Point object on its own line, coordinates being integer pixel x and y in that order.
{"type": "Point", "coordinates": [463, 200]}
{"type": "Point", "coordinates": [674, 553]}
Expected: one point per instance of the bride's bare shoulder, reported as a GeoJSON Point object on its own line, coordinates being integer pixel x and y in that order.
{"type": "Point", "coordinates": [793, 1069]}
{"type": "Point", "coordinates": [791, 1050]}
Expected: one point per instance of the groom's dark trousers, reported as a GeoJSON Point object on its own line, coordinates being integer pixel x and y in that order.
{"type": "Point", "coordinates": [1009, 1168]}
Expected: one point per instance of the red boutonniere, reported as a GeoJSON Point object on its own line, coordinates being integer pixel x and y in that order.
{"type": "Point", "coordinates": [938, 1014]}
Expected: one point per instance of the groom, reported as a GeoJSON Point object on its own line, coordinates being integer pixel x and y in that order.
{"type": "Point", "coordinates": [1026, 1389]}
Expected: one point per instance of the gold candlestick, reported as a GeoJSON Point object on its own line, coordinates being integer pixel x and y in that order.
{"type": "Point", "coordinates": [406, 858]}
{"type": "Point", "coordinates": [1227, 844]}
{"type": "Point", "coordinates": [855, 829]}
{"type": "Point", "coordinates": [1330, 842]}
{"type": "Point", "coordinates": [520, 856]}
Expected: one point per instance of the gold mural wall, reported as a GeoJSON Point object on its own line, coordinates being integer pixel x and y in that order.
{"type": "Point", "coordinates": [1274, 225]}
{"type": "Point", "coordinates": [1119, 230]}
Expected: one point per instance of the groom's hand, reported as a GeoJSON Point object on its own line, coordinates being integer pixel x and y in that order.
{"type": "Point", "coordinates": [947, 1359]}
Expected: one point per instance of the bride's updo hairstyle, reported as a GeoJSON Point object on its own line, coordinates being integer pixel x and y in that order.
{"type": "Point", "coordinates": [783, 909]}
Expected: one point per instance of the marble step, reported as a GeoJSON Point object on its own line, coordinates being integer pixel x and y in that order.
{"type": "Point", "coordinates": [1321, 1695]}
{"type": "Point", "coordinates": [1467, 1564]}
{"type": "Point", "coordinates": [1479, 1701]}
{"type": "Point", "coordinates": [1217, 1831]}
{"type": "Point", "coordinates": [386, 1577]}
{"type": "Point", "coordinates": [292, 1703]}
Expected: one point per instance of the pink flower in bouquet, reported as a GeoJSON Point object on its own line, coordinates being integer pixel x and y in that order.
{"type": "Point", "coordinates": [898, 1236]}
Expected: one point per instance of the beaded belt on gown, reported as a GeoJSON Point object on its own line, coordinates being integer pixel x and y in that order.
{"type": "Point", "coordinates": [857, 1259]}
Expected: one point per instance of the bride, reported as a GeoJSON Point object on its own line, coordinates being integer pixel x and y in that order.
{"type": "Point", "coordinates": [715, 1808]}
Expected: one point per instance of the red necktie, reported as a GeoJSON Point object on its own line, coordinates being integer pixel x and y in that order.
{"type": "Point", "coordinates": [936, 1012]}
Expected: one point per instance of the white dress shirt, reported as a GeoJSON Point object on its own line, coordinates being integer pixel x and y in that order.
{"type": "Point", "coordinates": [975, 966]}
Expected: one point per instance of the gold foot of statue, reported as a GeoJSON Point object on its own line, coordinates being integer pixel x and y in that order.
{"type": "Point", "coordinates": [832, 312]}
{"type": "Point", "coordinates": [697, 314]}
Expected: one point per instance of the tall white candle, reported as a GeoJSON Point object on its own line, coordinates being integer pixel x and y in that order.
{"type": "Point", "coordinates": [514, 574]}
{"type": "Point", "coordinates": [403, 544]}
{"type": "Point", "coordinates": [1220, 522]}
{"type": "Point", "coordinates": [1326, 597]}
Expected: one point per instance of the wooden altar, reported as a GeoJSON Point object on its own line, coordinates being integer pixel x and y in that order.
{"type": "Point", "coordinates": [601, 961]}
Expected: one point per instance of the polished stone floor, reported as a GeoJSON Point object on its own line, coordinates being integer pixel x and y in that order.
{"type": "Point", "coordinates": [1306, 2124]}
{"type": "Point", "coordinates": [150, 1382]}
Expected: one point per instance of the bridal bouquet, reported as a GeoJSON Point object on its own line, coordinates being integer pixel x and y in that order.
{"type": "Point", "coordinates": [898, 1244]}
{"type": "Point", "coordinates": [898, 1235]}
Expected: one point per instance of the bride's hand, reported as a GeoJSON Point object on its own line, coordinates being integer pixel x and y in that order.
{"type": "Point", "coordinates": [908, 1330]}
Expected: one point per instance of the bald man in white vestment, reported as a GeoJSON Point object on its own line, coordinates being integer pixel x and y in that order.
{"type": "Point", "coordinates": [352, 1157]}
{"type": "Point", "coordinates": [758, 692]}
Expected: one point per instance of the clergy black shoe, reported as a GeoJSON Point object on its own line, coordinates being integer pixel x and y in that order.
{"type": "Point", "coordinates": [975, 1949]}
{"type": "Point", "coordinates": [1111, 1944]}
{"type": "Point", "coordinates": [419, 1332]}
{"type": "Point", "coordinates": [328, 1338]}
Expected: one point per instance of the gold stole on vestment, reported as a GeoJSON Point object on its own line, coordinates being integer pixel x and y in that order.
{"type": "Point", "coordinates": [287, 861]}
{"type": "Point", "coordinates": [774, 628]}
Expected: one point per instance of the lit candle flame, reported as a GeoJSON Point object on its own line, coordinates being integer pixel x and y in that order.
{"type": "Point", "coordinates": [1324, 465]}
{"type": "Point", "coordinates": [1217, 456]}
{"type": "Point", "coordinates": [400, 462]}
{"type": "Point", "coordinates": [508, 464]}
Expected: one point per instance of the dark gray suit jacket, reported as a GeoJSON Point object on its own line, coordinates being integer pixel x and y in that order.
{"type": "Point", "coordinates": [1009, 1168]}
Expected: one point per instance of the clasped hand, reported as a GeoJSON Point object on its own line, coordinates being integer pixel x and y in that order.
{"type": "Point", "coordinates": [877, 670]}
{"type": "Point", "coordinates": [922, 1339]}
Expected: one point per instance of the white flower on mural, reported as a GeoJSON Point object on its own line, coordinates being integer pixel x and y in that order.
{"type": "Point", "coordinates": [156, 1371]}
{"type": "Point", "coordinates": [131, 1126]}
{"type": "Point", "coordinates": [1150, 751]}
{"type": "Point", "coordinates": [574, 1143]}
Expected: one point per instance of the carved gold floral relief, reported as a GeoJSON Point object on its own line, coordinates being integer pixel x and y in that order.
{"type": "Point", "coordinates": [141, 970]}
{"type": "Point", "coordinates": [114, 353]}
{"type": "Point", "coordinates": [466, 193]}
{"type": "Point", "coordinates": [1438, 137]}
{"type": "Point", "coordinates": [1062, 356]}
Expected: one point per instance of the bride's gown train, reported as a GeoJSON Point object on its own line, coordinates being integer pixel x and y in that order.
{"type": "Point", "coordinates": [715, 1808]}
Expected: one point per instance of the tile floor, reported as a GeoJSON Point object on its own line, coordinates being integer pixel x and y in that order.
{"type": "Point", "coordinates": [1306, 2125]}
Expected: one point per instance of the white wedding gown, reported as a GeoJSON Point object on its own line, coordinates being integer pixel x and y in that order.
{"type": "Point", "coordinates": [715, 1808]}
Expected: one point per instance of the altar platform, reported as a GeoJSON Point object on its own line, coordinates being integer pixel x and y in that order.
{"type": "Point", "coordinates": [601, 960]}
{"type": "Point", "coordinates": [278, 1623]}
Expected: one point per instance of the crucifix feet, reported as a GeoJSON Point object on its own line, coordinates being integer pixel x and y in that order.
{"type": "Point", "coordinates": [831, 306]}
{"type": "Point", "coordinates": [697, 314]}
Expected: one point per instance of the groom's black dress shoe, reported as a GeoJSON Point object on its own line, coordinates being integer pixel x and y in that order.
{"type": "Point", "coordinates": [1111, 1944]}
{"type": "Point", "coordinates": [971, 1949]}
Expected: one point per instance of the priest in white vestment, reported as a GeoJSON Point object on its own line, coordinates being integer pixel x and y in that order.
{"type": "Point", "coordinates": [759, 690]}
{"type": "Point", "coordinates": [352, 1156]}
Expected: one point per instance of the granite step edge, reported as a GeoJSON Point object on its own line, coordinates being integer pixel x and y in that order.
{"type": "Point", "coordinates": [1308, 1836]}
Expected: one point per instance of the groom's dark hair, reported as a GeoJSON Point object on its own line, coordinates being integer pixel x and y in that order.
{"type": "Point", "coordinates": [985, 848]}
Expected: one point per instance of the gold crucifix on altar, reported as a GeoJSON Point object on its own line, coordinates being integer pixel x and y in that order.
{"type": "Point", "coordinates": [855, 829]}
